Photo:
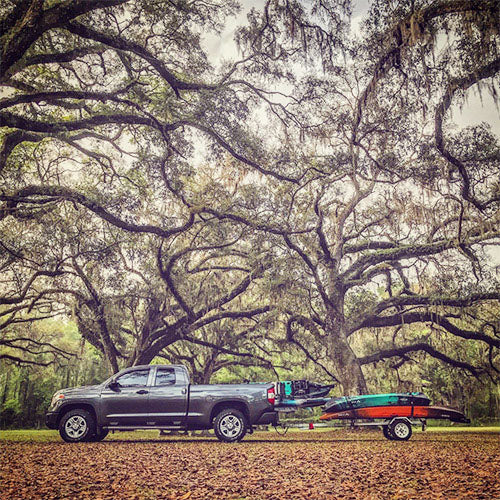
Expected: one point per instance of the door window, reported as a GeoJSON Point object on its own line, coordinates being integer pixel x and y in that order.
{"type": "Point", "coordinates": [165, 376]}
{"type": "Point", "coordinates": [136, 378]}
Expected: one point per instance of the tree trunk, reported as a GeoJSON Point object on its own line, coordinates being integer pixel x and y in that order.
{"type": "Point", "coordinates": [6, 387]}
{"type": "Point", "coordinates": [147, 353]}
{"type": "Point", "coordinates": [209, 368]}
{"type": "Point", "coordinates": [346, 364]}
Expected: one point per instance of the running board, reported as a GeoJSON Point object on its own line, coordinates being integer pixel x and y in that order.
{"type": "Point", "coordinates": [143, 428]}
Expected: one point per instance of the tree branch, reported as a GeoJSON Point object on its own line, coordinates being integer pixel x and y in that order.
{"type": "Point", "coordinates": [423, 317]}
{"type": "Point", "coordinates": [463, 84]}
{"type": "Point", "coordinates": [68, 194]}
{"type": "Point", "coordinates": [401, 351]}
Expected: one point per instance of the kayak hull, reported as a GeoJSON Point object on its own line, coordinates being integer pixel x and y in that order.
{"type": "Point", "coordinates": [372, 400]}
{"type": "Point", "coordinates": [301, 403]}
{"type": "Point", "coordinates": [385, 412]}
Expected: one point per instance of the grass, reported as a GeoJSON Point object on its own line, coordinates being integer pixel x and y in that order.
{"type": "Point", "coordinates": [464, 429]}
{"type": "Point", "coordinates": [45, 435]}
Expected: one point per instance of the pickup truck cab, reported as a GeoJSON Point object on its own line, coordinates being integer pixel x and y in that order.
{"type": "Point", "coordinates": [160, 397]}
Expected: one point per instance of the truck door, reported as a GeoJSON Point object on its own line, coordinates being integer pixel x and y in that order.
{"type": "Point", "coordinates": [168, 397]}
{"type": "Point", "coordinates": [125, 403]}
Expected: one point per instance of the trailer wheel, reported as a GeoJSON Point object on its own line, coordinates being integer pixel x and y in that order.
{"type": "Point", "coordinates": [387, 432]}
{"type": "Point", "coordinates": [400, 429]}
{"type": "Point", "coordinates": [230, 425]}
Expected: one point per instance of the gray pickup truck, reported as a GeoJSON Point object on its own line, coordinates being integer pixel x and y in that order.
{"type": "Point", "coordinates": [160, 397]}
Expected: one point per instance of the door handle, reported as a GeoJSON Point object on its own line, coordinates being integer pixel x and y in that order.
{"type": "Point", "coordinates": [142, 391]}
{"type": "Point", "coordinates": [184, 391]}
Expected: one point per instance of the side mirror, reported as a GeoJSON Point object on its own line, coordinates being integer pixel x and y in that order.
{"type": "Point", "coordinates": [114, 385]}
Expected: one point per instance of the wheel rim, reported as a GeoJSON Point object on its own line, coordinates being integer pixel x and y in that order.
{"type": "Point", "coordinates": [230, 426]}
{"type": "Point", "coordinates": [75, 427]}
{"type": "Point", "coordinates": [401, 430]}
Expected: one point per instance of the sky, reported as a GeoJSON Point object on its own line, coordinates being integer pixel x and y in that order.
{"type": "Point", "coordinates": [477, 108]}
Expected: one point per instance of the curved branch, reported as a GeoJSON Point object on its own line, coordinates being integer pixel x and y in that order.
{"type": "Point", "coordinates": [418, 300]}
{"type": "Point", "coordinates": [11, 140]}
{"type": "Point", "coordinates": [424, 317]}
{"type": "Point", "coordinates": [401, 36]}
{"type": "Point", "coordinates": [235, 292]}
{"type": "Point", "coordinates": [12, 120]}
{"type": "Point", "coordinates": [396, 253]}
{"type": "Point", "coordinates": [127, 45]}
{"type": "Point", "coordinates": [257, 225]}
{"type": "Point", "coordinates": [32, 343]}
{"type": "Point", "coordinates": [313, 268]}
{"type": "Point", "coordinates": [229, 314]}
{"type": "Point", "coordinates": [224, 350]}
{"type": "Point", "coordinates": [309, 325]}
{"type": "Point", "coordinates": [401, 351]}
{"type": "Point", "coordinates": [53, 97]}
{"type": "Point", "coordinates": [22, 32]}
{"type": "Point", "coordinates": [27, 286]}
{"type": "Point", "coordinates": [166, 275]}
{"type": "Point", "coordinates": [68, 194]}
{"type": "Point", "coordinates": [484, 72]}
{"type": "Point", "coordinates": [237, 155]}
{"type": "Point", "coordinates": [59, 57]}
{"type": "Point", "coordinates": [21, 361]}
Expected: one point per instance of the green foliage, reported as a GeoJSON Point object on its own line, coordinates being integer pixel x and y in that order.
{"type": "Point", "coordinates": [26, 391]}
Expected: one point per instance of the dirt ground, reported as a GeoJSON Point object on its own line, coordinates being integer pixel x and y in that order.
{"type": "Point", "coordinates": [309, 464]}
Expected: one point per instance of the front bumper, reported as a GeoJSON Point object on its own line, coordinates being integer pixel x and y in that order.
{"type": "Point", "coordinates": [51, 419]}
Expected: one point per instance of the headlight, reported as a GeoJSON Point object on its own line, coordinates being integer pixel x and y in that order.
{"type": "Point", "coordinates": [56, 398]}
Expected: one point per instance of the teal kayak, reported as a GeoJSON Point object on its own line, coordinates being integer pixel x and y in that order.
{"type": "Point", "coordinates": [368, 400]}
{"type": "Point", "coordinates": [301, 403]}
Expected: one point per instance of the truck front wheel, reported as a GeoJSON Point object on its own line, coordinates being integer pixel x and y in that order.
{"type": "Point", "coordinates": [230, 425]}
{"type": "Point", "coordinates": [77, 425]}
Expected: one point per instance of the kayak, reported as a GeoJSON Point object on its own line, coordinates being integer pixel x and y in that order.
{"type": "Point", "coordinates": [371, 400]}
{"type": "Point", "coordinates": [437, 412]}
{"type": "Point", "coordinates": [290, 389]}
{"type": "Point", "coordinates": [300, 403]}
{"type": "Point", "coordinates": [294, 394]}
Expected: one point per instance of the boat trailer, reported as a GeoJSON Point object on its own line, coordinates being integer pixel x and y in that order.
{"type": "Point", "coordinates": [395, 413]}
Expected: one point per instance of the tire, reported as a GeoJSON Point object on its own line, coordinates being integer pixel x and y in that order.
{"type": "Point", "coordinates": [98, 436]}
{"type": "Point", "coordinates": [387, 432]}
{"type": "Point", "coordinates": [400, 430]}
{"type": "Point", "coordinates": [77, 425]}
{"type": "Point", "coordinates": [230, 425]}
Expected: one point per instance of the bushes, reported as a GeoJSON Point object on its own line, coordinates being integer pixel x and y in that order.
{"type": "Point", "coordinates": [10, 414]}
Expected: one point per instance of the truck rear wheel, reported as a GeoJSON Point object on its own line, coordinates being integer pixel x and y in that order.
{"type": "Point", "coordinates": [99, 435]}
{"type": "Point", "coordinates": [77, 425]}
{"type": "Point", "coordinates": [230, 425]}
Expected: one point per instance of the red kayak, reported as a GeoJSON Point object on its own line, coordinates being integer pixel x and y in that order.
{"type": "Point", "coordinates": [437, 412]}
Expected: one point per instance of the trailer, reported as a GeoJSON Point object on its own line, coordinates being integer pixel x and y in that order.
{"type": "Point", "coordinates": [397, 425]}
{"type": "Point", "coordinates": [395, 413]}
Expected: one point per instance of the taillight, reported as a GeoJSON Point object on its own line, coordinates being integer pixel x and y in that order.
{"type": "Point", "coordinates": [271, 396]}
